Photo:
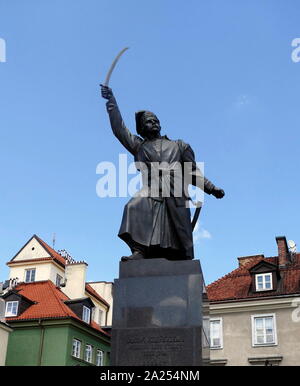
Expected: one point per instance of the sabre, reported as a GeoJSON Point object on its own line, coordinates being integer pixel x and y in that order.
{"type": "Point", "coordinates": [113, 66]}
{"type": "Point", "coordinates": [196, 214]}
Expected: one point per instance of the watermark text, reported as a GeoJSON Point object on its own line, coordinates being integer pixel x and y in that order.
{"type": "Point", "coordinates": [296, 52]}
{"type": "Point", "coordinates": [2, 51]}
{"type": "Point", "coordinates": [180, 180]}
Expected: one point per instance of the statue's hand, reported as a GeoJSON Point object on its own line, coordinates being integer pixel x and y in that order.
{"type": "Point", "coordinates": [218, 193]}
{"type": "Point", "coordinates": [106, 92]}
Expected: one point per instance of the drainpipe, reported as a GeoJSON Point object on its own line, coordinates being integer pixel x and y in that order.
{"type": "Point", "coordinates": [41, 342]}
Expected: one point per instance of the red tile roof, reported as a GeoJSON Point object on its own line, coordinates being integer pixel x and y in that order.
{"type": "Point", "coordinates": [55, 255]}
{"type": "Point", "coordinates": [94, 293]}
{"type": "Point", "coordinates": [236, 285]}
{"type": "Point", "coordinates": [49, 303]}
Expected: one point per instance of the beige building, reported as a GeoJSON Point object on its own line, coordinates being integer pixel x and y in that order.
{"type": "Point", "coordinates": [106, 290]}
{"type": "Point", "coordinates": [37, 261]}
{"type": "Point", "coordinates": [4, 333]}
{"type": "Point", "coordinates": [255, 311]}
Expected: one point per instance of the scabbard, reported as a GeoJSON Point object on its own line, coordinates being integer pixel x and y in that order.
{"type": "Point", "coordinates": [196, 215]}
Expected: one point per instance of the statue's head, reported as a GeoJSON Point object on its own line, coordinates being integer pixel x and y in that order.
{"type": "Point", "coordinates": [147, 124]}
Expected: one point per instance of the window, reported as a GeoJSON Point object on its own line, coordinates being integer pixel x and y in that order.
{"type": "Point", "coordinates": [99, 358]}
{"type": "Point", "coordinates": [93, 313]}
{"type": "Point", "coordinates": [11, 308]}
{"type": "Point", "coordinates": [264, 330]}
{"type": "Point", "coordinates": [76, 348]}
{"type": "Point", "coordinates": [86, 314]}
{"type": "Point", "coordinates": [29, 275]}
{"type": "Point", "coordinates": [59, 280]}
{"type": "Point", "coordinates": [216, 335]}
{"type": "Point", "coordinates": [100, 317]}
{"type": "Point", "coordinates": [263, 282]}
{"type": "Point", "coordinates": [88, 353]}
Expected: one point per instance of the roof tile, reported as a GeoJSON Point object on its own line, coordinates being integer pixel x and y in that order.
{"type": "Point", "coordinates": [94, 293]}
{"type": "Point", "coordinates": [51, 251]}
{"type": "Point", "coordinates": [49, 303]}
{"type": "Point", "coordinates": [236, 284]}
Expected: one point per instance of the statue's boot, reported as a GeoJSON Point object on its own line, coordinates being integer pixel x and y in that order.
{"type": "Point", "coordinates": [137, 255]}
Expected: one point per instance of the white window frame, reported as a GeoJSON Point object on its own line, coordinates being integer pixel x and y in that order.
{"type": "Point", "coordinates": [88, 353]}
{"type": "Point", "coordinates": [59, 279]}
{"type": "Point", "coordinates": [76, 348]}
{"type": "Point", "coordinates": [220, 320]}
{"type": "Point", "coordinates": [100, 358]}
{"type": "Point", "coordinates": [14, 305]}
{"type": "Point", "coordinates": [254, 336]}
{"type": "Point", "coordinates": [263, 275]}
{"type": "Point", "coordinates": [30, 275]}
{"type": "Point", "coordinates": [86, 314]}
{"type": "Point", "coordinates": [93, 315]}
{"type": "Point", "coordinates": [100, 317]}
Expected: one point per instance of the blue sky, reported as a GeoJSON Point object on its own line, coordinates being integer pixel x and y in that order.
{"type": "Point", "coordinates": [218, 74]}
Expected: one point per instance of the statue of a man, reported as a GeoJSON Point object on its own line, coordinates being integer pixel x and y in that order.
{"type": "Point", "coordinates": [156, 225]}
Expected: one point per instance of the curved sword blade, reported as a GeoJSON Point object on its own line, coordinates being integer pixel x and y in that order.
{"type": "Point", "coordinates": [114, 65]}
{"type": "Point", "coordinates": [196, 214]}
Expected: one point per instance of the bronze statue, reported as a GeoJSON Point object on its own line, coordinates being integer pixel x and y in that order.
{"type": "Point", "coordinates": [156, 225]}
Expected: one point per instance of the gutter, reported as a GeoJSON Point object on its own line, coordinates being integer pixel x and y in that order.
{"type": "Point", "coordinates": [257, 298]}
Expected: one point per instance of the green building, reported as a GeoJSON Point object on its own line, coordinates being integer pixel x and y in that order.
{"type": "Point", "coordinates": [50, 329]}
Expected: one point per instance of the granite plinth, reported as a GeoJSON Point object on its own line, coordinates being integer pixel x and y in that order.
{"type": "Point", "coordinates": [158, 267]}
{"type": "Point", "coordinates": [166, 346]}
{"type": "Point", "coordinates": [157, 316]}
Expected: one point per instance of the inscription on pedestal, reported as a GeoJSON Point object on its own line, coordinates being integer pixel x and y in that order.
{"type": "Point", "coordinates": [154, 348]}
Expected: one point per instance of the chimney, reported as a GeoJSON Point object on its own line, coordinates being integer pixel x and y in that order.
{"type": "Point", "coordinates": [283, 251]}
{"type": "Point", "coordinates": [247, 259]}
{"type": "Point", "coordinates": [75, 274]}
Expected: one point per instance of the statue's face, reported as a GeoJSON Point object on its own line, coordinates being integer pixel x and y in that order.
{"type": "Point", "coordinates": [151, 125]}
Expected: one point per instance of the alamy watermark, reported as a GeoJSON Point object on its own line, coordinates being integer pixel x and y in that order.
{"type": "Point", "coordinates": [296, 52]}
{"type": "Point", "coordinates": [151, 179]}
{"type": "Point", "coordinates": [2, 51]}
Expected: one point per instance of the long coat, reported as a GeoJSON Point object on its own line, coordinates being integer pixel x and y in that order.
{"type": "Point", "coordinates": [157, 220]}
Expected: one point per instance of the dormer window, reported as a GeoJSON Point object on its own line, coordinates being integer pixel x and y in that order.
{"type": "Point", "coordinates": [263, 282]}
{"type": "Point", "coordinates": [15, 303]}
{"type": "Point", "coordinates": [265, 276]}
{"type": "Point", "coordinates": [86, 314]}
{"type": "Point", "coordinates": [82, 308]}
{"type": "Point", "coordinates": [11, 308]}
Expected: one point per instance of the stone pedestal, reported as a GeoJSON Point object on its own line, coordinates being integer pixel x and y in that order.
{"type": "Point", "coordinates": [157, 315]}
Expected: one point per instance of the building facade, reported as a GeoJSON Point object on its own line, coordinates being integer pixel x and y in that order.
{"type": "Point", "coordinates": [255, 311]}
{"type": "Point", "coordinates": [56, 317]}
{"type": "Point", "coordinates": [5, 330]}
{"type": "Point", "coordinates": [49, 329]}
